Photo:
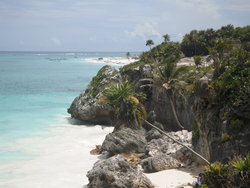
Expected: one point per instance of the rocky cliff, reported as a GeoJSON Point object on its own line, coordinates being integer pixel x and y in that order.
{"type": "Point", "coordinates": [86, 106]}
{"type": "Point", "coordinates": [193, 100]}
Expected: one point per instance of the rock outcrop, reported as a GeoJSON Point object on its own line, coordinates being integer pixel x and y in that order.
{"type": "Point", "coordinates": [194, 103]}
{"type": "Point", "coordinates": [86, 106]}
{"type": "Point", "coordinates": [117, 172]}
{"type": "Point", "coordinates": [162, 153]}
{"type": "Point", "coordinates": [125, 140]}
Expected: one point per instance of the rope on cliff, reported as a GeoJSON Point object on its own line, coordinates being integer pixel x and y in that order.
{"type": "Point", "coordinates": [178, 142]}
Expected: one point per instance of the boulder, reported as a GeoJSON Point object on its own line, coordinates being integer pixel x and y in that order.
{"type": "Point", "coordinates": [159, 162]}
{"type": "Point", "coordinates": [117, 172]}
{"type": "Point", "coordinates": [125, 140]}
{"type": "Point", "coordinates": [153, 134]}
{"type": "Point", "coordinates": [162, 153]}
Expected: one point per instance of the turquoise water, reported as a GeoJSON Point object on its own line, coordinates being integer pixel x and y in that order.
{"type": "Point", "coordinates": [35, 89]}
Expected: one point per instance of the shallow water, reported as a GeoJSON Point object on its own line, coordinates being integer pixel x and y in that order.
{"type": "Point", "coordinates": [38, 144]}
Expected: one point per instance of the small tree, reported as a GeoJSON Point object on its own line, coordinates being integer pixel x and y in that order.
{"type": "Point", "coordinates": [166, 38]}
{"type": "Point", "coordinates": [168, 77]}
{"type": "Point", "coordinates": [149, 43]}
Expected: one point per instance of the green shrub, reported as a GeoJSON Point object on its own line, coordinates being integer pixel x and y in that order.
{"type": "Point", "coordinates": [234, 174]}
{"type": "Point", "coordinates": [216, 175]}
{"type": "Point", "coordinates": [226, 137]}
{"type": "Point", "coordinates": [236, 123]}
{"type": "Point", "coordinates": [197, 60]}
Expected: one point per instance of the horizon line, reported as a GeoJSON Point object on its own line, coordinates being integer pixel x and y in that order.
{"type": "Point", "coordinates": [68, 51]}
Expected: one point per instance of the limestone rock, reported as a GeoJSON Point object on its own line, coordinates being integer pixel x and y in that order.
{"type": "Point", "coordinates": [125, 140]}
{"type": "Point", "coordinates": [117, 172]}
{"type": "Point", "coordinates": [88, 106]}
{"type": "Point", "coordinates": [159, 162]}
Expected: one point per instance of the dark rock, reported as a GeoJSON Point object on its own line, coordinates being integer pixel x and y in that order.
{"type": "Point", "coordinates": [125, 140]}
{"type": "Point", "coordinates": [132, 74]}
{"type": "Point", "coordinates": [153, 134]}
{"type": "Point", "coordinates": [117, 172]}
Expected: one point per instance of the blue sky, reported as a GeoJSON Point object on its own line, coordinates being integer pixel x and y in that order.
{"type": "Point", "coordinates": [109, 25]}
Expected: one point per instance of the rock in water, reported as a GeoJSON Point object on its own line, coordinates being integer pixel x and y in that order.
{"type": "Point", "coordinates": [88, 106]}
{"type": "Point", "coordinates": [117, 172]}
{"type": "Point", "coordinates": [125, 140]}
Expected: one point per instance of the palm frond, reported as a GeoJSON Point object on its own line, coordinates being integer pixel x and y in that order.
{"type": "Point", "coordinates": [126, 103]}
{"type": "Point", "coordinates": [178, 71]}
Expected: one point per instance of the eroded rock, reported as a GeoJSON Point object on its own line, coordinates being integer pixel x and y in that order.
{"type": "Point", "coordinates": [159, 162]}
{"type": "Point", "coordinates": [125, 140]}
{"type": "Point", "coordinates": [117, 172]}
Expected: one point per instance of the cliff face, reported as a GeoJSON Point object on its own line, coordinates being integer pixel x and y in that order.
{"type": "Point", "coordinates": [213, 137]}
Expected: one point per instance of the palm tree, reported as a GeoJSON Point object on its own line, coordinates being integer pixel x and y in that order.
{"type": "Point", "coordinates": [127, 107]}
{"type": "Point", "coordinates": [168, 77]}
{"type": "Point", "coordinates": [149, 43]}
{"type": "Point", "coordinates": [166, 38]}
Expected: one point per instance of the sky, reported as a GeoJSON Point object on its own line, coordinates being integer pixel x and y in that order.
{"type": "Point", "coordinates": [109, 25]}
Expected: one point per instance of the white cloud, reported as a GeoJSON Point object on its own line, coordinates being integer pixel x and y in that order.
{"type": "Point", "coordinates": [202, 8]}
{"type": "Point", "coordinates": [239, 5]}
{"type": "Point", "coordinates": [55, 41]}
{"type": "Point", "coordinates": [239, 8]}
{"type": "Point", "coordinates": [144, 31]}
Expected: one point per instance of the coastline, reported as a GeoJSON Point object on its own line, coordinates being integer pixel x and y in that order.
{"type": "Point", "coordinates": [112, 60]}
{"type": "Point", "coordinates": [187, 61]}
{"type": "Point", "coordinates": [61, 160]}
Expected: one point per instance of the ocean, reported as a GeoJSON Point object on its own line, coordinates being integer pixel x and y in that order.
{"type": "Point", "coordinates": [36, 133]}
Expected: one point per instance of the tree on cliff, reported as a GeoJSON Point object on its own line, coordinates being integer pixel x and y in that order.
{"type": "Point", "coordinates": [125, 102]}
{"type": "Point", "coordinates": [166, 70]}
{"type": "Point", "coordinates": [166, 38]}
{"type": "Point", "coordinates": [149, 43]}
{"type": "Point", "coordinates": [168, 77]}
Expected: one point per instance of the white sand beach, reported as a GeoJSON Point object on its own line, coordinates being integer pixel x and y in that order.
{"type": "Point", "coordinates": [173, 178]}
{"type": "Point", "coordinates": [112, 60]}
{"type": "Point", "coordinates": [63, 160]}
{"type": "Point", "coordinates": [187, 61]}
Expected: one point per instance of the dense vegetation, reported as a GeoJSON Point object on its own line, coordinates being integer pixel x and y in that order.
{"type": "Point", "coordinates": [236, 173]}
{"type": "Point", "coordinates": [199, 42]}
{"type": "Point", "coordinates": [227, 47]}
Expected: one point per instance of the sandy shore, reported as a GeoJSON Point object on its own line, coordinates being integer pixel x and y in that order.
{"type": "Point", "coordinates": [187, 61]}
{"type": "Point", "coordinates": [63, 160]}
{"type": "Point", "coordinates": [174, 178]}
{"type": "Point", "coordinates": [112, 60]}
